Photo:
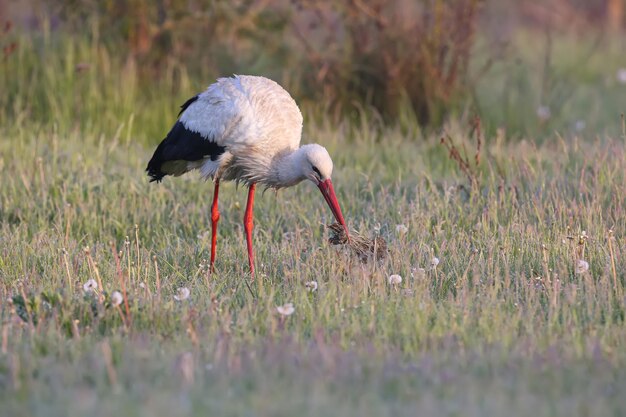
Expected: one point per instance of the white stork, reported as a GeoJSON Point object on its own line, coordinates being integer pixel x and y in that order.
{"type": "Point", "coordinates": [245, 129]}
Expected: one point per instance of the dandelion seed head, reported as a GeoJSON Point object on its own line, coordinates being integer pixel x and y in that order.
{"type": "Point", "coordinates": [182, 294]}
{"type": "Point", "coordinates": [116, 298]}
{"type": "Point", "coordinates": [394, 279]}
{"type": "Point", "coordinates": [286, 309]}
{"type": "Point", "coordinates": [434, 262]}
{"type": "Point", "coordinates": [582, 266]}
{"type": "Point", "coordinates": [90, 286]}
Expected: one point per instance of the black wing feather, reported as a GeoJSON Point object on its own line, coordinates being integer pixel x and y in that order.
{"type": "Point", "coordinates": [181, 144]}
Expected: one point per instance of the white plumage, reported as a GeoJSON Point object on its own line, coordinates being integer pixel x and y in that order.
{"type": "Point", "coordinates": [246, 129]}
{"type": "Point", "coordinates": [254, 118]}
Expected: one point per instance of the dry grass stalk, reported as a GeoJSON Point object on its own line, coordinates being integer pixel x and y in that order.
{"type": "Point", "coordinates": [360, 245]}
{"type": "Point", "coordinates": [460, 155]}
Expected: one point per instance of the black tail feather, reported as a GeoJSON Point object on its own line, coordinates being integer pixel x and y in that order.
{"type": "Point", "coordinates": [154, 166]}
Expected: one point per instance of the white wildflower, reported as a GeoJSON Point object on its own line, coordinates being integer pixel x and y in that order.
{"type": "Point", "coordinates": [581, 266]}
{"type": "Point", "coordinates": [621, 75]}
{"type": "Point", "coordinates": [142, 285]}
{"type": "Point", "coordinates": [311, 286]}
{"type": "Point", "coordinates": [543, 113]}
{"type": "Point", "coordinates": [116, 298]}
{"type": "Point", "coordinates": [401, 229]}
{"type": "Point", "coordinates": [286, 310]}
{"type": "Point", "coordinates": [434, 262]}
{"type": "Point", "coordinates": [182, 294]}
{"type": "Point", "coordinates": [90, 286]}
{"type": "Point", "coordinates": [394, 279]}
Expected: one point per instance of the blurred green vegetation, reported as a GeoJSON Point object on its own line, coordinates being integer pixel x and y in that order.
{"type": "Point", "coordinates": [526, 68]}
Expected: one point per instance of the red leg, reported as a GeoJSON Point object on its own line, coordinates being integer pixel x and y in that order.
{"type": "Point", "coordinates": [248, 226]}
{"type": "Point", "coordinates": [215, 216]}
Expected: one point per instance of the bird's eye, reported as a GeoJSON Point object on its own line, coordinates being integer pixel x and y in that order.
{"type": "Point", "coordinates": [317, 171]}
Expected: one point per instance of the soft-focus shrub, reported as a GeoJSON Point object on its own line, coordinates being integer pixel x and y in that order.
{"type": "Point", "coordinates": [387, 53]}
{"type": "Point", "coordinates": [378, 53]}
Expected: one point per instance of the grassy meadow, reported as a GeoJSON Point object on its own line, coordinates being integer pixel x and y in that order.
{"type": "Point", "coordinates": [507, 321]}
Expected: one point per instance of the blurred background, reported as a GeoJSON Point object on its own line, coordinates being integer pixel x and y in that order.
{"type": "Point", "coordinates": [524, 67]}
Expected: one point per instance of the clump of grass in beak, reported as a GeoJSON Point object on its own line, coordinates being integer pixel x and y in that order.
{"type": "Point", "coordinates": [363, 247]}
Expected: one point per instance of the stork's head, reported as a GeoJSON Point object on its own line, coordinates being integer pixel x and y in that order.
{"type": "Point", "coordinates": [317, 167]}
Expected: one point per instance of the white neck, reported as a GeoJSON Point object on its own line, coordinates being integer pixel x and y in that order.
{"type": "Point", "coordinates": [287, 169]}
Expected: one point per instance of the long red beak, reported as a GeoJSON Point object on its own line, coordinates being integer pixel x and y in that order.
{"type": "Point", "coordinates": [326, 187]}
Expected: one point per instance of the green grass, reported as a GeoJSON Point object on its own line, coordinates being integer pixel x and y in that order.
{"type": "Point", "coordinates": [502, 326]}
